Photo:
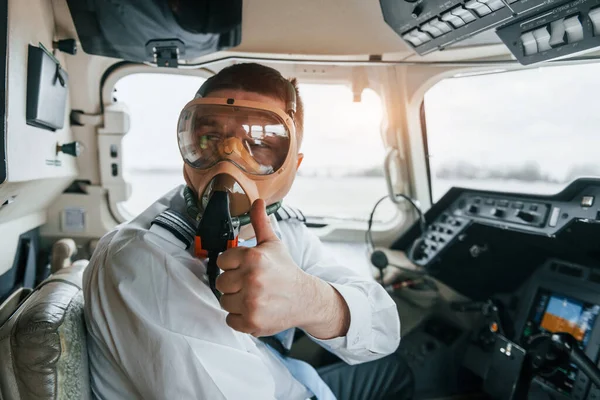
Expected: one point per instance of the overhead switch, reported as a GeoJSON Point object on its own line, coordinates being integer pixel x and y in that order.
{"type": "Point", "coordinates": [422, 36]}
{"type": "Point", "coordinates": [412, 39]}
{"type": "Point", "coordinates": [526, 216]}
{"type": "Point", "coordinates": [498, 212]}
{"type": "Point", "coordinates": [557, 33]}
{"type": "Point", "coordinates": [452, 19]}
{"type": "Point", "coordinates": [432, 30]}
{"type": "Point", "coordinates": [416, 37]}
{"type": "Point", "coordinates": [595, 18]}
{"type": "Point", "coordinates": [529, 43]}
{"type": "Point", "coordinates": [574, 29]}
{"type": "Point", "coordinates": [554, 217]}
{"type": "Point", "coordinates": [587, 201]}
{"type": "Point", "coordinates": [464, 14]}
{"type": "Point", "coordinates": [441, 25]}
{"type": "Point", "coordinates": [473, 209]}
{"type": "Point", "coordinates": [493, 4]}
{"type": "Point", "coordinates": [479, 8]}
{"type": "Point", "coordinates": [542, 39]}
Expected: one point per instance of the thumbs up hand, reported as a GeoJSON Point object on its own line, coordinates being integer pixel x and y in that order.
{"type": "Point", "coordinates": [265, 292]}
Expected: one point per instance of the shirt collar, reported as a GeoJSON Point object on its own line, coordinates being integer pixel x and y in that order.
{"type": "Point", "coordinates": [252, 241]}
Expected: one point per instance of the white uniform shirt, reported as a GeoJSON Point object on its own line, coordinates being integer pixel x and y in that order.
{"type": "Point", "coordinates": [156, 331]}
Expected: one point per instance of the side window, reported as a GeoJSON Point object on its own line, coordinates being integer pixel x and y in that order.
{"type": "Point", "coordinates": [151, 160]}
{"type": "Point", "coordinates": [340, 178]}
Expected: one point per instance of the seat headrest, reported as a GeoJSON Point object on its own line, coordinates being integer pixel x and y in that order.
{"type": "Point", "coordinates": [45, 342]}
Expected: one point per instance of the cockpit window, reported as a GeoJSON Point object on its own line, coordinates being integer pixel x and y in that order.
{"type": "Point", "coordinates": [529, 131]}
{"type": "Point", "coordinates": [152, 162]}
{"type": "Point", "coordinates": [340, 177]}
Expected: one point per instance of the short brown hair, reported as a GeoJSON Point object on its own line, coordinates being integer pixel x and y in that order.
{"type": "Point", "coordinates": [257, 78]}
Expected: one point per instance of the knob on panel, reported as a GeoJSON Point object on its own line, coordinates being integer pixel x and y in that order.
{"type": "Point", "coordinates": [498, 212]}
{"type": "Point", "coordinates": [526, 216]}
{"type": "Point", "coordinates": [73, 149]}
{"type": "Point", "coordinates": [417, 10]}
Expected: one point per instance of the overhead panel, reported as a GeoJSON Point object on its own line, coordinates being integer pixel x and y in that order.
{"type": "Point", "coordinates": [533, 30]}
{"type": "Point", "coordinates": [561, 31]}
{"type": "Point", "coordinates": [419, 22]}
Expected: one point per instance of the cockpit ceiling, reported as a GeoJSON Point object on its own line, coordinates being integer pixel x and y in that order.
{"type": "Point", "coordinates": [337, 28]}
{"type": "Point", "coordinates": [333, 27]}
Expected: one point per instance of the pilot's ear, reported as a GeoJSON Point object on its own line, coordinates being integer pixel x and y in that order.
{"type": "Point", "coordinates": [300, 158]}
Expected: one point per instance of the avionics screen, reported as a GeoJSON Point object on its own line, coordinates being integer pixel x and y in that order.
{"type": "Point", "coordinates": [553, 312]}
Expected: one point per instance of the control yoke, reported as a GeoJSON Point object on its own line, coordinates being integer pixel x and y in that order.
{"type": "Point", "coordinates": [513, 368]}
{"type": "Point", "coordinates": [549, 351]}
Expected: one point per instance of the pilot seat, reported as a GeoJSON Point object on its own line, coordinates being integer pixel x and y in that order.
{"type": "Point", "coordinates": [43, 340]}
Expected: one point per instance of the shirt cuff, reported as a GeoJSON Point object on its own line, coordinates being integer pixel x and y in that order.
{"type": "Point", "coordinates": [360, 320]}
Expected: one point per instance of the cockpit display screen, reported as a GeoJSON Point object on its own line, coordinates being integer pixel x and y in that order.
{"type": "Point", "coordinates": [552, 312]}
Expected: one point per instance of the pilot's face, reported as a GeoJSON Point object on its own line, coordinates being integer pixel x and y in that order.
{"type": "Point", "coordinates": [264, 147]}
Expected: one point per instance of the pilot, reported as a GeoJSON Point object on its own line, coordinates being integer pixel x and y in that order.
{"type": "Point", "coordinates": [158, 331]}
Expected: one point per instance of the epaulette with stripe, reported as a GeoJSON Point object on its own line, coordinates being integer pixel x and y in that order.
{"type": "Point", "coordinates": [180, 225]}
{"type": "Point", "coordinates": [286, 212]}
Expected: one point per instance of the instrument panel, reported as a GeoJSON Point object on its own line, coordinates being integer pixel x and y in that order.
{"type": "Point", "coordinates": [553, 311]}
{"type": "Point", "coordinates": [560, 297]}
{"type": "Point", "coordinates": [537, 257]}
{"type": "Point", "coordinates": [563, 297]}
{"type": "Point", "coordinates": [482, 242]}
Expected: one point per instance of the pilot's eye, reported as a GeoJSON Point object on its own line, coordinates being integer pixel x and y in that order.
{"type": "Point", "coordinates": [211, 136]}
{"type": "Point", "coordinates": [207, 140]}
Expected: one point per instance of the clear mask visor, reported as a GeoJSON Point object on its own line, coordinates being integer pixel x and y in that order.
{"type": "Point", "coordinates": [256, 141]}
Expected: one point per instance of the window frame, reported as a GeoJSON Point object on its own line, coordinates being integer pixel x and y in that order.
{"type": "Point", "coordinates": [108, 84]}
{"type": "Point", "coordinates": [423, 121]}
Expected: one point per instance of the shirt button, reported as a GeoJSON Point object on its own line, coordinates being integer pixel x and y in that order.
{"type": "Point", "coordinates": [356, 339]}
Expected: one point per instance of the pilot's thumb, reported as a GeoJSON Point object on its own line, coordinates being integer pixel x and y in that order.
{"type": "Point", "coordinates": [261, 223]}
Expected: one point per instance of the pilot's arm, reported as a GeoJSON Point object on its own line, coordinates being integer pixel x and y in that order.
{"type": "Point", "coordinates": [278, 285]}
{"type": "Point", "coordinates": [374, 329]}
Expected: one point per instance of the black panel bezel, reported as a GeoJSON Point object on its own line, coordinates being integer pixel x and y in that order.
{"type": "Point", "coordinates": [487, 256]}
